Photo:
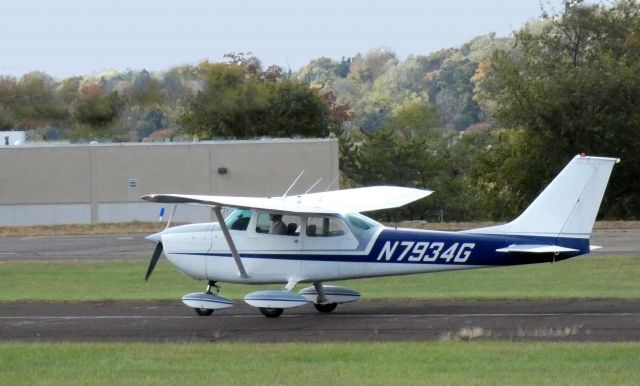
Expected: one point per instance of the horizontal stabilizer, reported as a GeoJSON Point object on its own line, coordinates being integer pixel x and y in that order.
{"type": "Point", "coordinates": [535, 248]}
{"type": "Point", "coordinates": [594, 247]}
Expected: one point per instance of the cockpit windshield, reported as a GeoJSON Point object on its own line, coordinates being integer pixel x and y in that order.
{"type": "Point", "coordinates": [238, 219]}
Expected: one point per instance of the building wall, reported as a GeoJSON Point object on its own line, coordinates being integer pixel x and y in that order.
{"type": "Point", "coordinates": [103, 183]}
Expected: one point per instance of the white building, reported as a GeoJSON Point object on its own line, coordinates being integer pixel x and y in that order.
{"type": "Point", "coordinates": [73, 184]}
{"type": "Point", "coordinates": [12, 138]}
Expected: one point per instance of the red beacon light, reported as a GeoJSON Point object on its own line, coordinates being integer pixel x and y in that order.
{"type": "Point", "coordinates": [583, 154]}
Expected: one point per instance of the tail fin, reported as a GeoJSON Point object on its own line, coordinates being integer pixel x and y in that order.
{"type": "Point", "coordinates": [569, 204]}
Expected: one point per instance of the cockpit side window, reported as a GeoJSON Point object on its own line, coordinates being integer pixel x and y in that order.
{"type": "Point", "coordinates": [361, 223]}
{"type": "Point", "coordinates": [324, 227]}
{"type": "Point", "coordinates": [278, 224]}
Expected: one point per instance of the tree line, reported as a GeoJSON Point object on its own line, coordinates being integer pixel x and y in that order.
{"type": "Point", "coordinates": [485, 125]}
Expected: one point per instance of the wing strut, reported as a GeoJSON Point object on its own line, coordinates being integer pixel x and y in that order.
{"type": "Point", "coordinates": [232, 246]}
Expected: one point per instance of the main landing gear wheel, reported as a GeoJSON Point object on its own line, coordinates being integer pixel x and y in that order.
{"type": "Point", "coordinates": [325, 308]}
{"type": "Point", "coordinates": [203, 311]}
{"type": "Point", "coordinates": [271, 312]}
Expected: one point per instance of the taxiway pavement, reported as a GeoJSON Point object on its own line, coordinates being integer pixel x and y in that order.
{"type": "Point", "coordinates": [580, 320]}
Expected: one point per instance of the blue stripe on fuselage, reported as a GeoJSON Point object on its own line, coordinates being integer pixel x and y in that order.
{"type": "Point", "coordinates": [482, 248]}
{"type": "Point", "coordinates": [400, 246]}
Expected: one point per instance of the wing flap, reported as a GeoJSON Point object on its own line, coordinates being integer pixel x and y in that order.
{"type": "Point", "coordinates": [535, 248]}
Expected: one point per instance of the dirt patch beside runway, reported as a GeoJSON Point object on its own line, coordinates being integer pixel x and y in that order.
{"type": "Point", "coordinates": [580, 320]}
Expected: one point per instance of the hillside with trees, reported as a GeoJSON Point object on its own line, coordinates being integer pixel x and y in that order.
{"type": "Point", "coordinates": [485, 125]}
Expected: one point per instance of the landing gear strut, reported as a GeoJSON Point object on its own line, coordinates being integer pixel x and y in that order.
{"type": "Point", "coordinates": [212, 284]}
{"type": "Point", "coordinates": [321, 303]}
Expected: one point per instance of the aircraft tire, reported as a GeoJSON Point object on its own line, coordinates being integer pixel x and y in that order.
{"type": "Point", "coordinates": [203, 311]}
{"type": "Point", "coordinates": [325, 308]}
{"type": "Point", "coordinates": [271, 312]}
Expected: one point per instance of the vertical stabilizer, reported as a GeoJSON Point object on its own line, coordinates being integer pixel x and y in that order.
{"type": "Point", "coordinates": [569, 204]}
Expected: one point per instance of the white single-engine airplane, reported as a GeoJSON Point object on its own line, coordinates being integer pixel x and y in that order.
{"type": "Point", "coordinates": [320, 237]}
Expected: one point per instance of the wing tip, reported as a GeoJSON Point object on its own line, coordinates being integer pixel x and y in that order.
{"type": "Point", "coordinates": [148, 197]}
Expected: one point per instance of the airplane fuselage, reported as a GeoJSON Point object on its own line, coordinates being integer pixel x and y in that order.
{"type": "Point", "coordinates": [201, 252]}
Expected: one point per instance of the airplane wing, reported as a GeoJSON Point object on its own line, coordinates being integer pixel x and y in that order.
{"type": "Point", "coordinates": [333, 202]}
{"type": "Point", "coordinates": [536, 248]}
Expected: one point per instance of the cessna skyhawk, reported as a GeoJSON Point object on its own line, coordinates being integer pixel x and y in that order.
{"type": "Point", "coordinates": [320, 237]}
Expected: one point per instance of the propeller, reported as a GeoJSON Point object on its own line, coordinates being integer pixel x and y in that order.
{"type": "Point", "coordinates": [154, 260]}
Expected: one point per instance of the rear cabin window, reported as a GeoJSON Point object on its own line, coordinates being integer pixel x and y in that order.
{"type": "Point", "coordinates": [324, 227]}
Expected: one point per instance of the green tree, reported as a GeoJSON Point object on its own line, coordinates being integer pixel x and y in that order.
{"type": "Point", "coordinates": [415, 118]}
{"type": "Point", "coordinates": [95, 110]}
{"type": "Point", "coordinates": [571, 86]}
{"type": "Point", "coordinates": [146, 91]}
{"type": "Point", "coordinates": [8, 98]}
{"type": "Point", "coordinates": [295, 109]}
{"type": "Point", "coordinates": [36, 103]}
{"type": "Point", "coordinates": [213, 111]}
{"type": "Point", "coordinates": [236, 102]}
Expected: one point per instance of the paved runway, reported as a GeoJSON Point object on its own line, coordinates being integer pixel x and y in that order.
{"type": "Point", "coordinates": [615, 242]}
{"type": "Point", "coordinates": [362, 321]}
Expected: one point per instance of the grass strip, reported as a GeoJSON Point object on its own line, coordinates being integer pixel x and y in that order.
{"type": "Point", "coordinates": [97, 280]}
{"type": "Point", "coordinates": [439, 363]}
{"type": "Point", "coordinates": [81, 229]}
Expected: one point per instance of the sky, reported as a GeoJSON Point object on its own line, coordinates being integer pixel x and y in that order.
{"type": "Point", "coordinates": [81, 37]}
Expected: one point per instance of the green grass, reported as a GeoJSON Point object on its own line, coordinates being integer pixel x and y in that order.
{"type": "Point", "coordinates": [436, 363]}
{"type": "Point", "coordinates": [582, 277]}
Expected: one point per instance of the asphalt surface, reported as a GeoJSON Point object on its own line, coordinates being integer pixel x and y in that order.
{"type": "Point", "coordinates": [615, 242]}
{"type": "Point", "coordinates": [613, 321]}
{"type": "Point", "coordinates": [74, 247]}
{"type": "Point", "coordinates": [582, 320]}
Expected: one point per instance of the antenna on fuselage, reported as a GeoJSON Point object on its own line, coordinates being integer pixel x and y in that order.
{"type": "Point", "coordinates": [171, 217]}
{"type": "Point", "coordinates": [333, 182]}
{"type": "Point", "coordinates": [313, 186]}
{"type": "Point", "coordinates": [292, 184]}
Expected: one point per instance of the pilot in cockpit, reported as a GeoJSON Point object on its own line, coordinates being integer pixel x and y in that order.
{"type": "Point", "coordinates": [277, 225]}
